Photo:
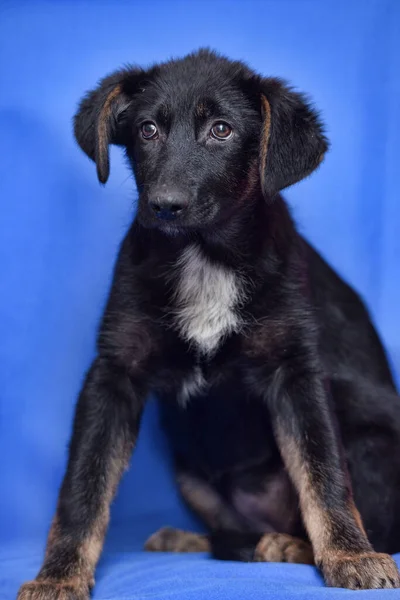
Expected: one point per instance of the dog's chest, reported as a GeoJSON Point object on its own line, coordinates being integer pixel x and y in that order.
{"type": "Point", "coordinates": [207, 299]}
{"type": "Point", "coordinates": [214, 423]}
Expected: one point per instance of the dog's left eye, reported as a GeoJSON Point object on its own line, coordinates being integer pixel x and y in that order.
{"type": "Point", "coordinates": [221, 131]}
{"type": "Point", "coordinates": [149, 130]}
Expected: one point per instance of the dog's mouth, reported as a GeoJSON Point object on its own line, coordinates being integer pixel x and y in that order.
{"type": "Point", "coordinates": [173, 229]}
{"type": "Point", "coordinates": [168, 226]}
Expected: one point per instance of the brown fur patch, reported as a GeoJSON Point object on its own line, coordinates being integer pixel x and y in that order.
{"type": "Point", "coordinates": [317, 519]}
{"type": "Point", "coordinates": [357, 516]}
{"type": "Point", "coordinates": [103, 125]}
{"type": "Point", "coordinates": [266, 132]}
{"type": "Point", "coordinates": [279, 547]}
{"type": "Point", "coordinates": [201, 110]}
{"type": "Point", "coordinates": [169, 539]}
{"type": "Point", "coordinates": [93, 543]}
{"type": "Point", "coordinates": [88, 552]}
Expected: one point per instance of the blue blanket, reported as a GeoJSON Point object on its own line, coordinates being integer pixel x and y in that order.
{"type": "Point", "coordinates": [140, 576]}
{"type": "Point", "coordinates": [59, 234]}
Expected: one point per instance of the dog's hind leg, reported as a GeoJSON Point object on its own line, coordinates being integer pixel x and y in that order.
{"type": "Point", "coordinates": [224, 545]}
{"type": "Point", "coordinates": [228, 540]}
{"type": "Point", "coordinates": [370, 417]}
{"type": "Point", "coordinates": [205, 501]}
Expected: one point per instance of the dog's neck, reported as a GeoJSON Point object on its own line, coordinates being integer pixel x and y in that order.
{"type": "Point", "coordinates": [243, 242]}
{"type": "Point", "coordinates": [215, 274]}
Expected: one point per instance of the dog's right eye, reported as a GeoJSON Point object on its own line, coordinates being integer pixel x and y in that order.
{"type": "Point", "coordinates": [221, 131]}
{"type": "Point", "coordinates": [149, 130]}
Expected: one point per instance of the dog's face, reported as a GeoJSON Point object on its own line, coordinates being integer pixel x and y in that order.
{"type": "Point", "coordinates": [205, 136]}
{"type": "Point", "coordinates": [195, 137]}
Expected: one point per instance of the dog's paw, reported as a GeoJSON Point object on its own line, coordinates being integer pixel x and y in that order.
{"type": "Point", "coordinates": [50, 590]}
{"type": "Point", "coordinates": [279, 547]}
{"type": "Point", "coordinates": [364, 571]}
{"type": "Point", "coordinates": [169, 539]}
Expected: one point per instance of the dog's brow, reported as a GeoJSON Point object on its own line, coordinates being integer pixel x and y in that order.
{"type": "Point", "coordinates": [205, 108]}
{"type": "Point", "coordinates": [163, 113]}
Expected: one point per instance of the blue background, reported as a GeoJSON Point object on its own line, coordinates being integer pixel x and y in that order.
{"type": "Point", "coordinates": [59, 234]}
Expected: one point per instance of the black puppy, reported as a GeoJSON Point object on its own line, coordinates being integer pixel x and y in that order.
{"type": "Point", "coordinates": [276, 392]}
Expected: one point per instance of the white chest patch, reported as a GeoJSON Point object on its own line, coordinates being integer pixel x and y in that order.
{"type": "Point", "coordinates": [206, 297]}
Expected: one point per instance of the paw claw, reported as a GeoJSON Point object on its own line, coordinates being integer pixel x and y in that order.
{"type": "Point", "coordinates": [361, 571]}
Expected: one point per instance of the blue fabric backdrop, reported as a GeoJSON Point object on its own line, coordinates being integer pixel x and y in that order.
{"type": "Point", "coordinates": [59, 234]}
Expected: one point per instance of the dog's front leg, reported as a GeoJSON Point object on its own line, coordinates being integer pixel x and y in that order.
{"type": "Point", "coordinates": [310, 449]}
{"type": "Point", "coordinates": [105, 430]}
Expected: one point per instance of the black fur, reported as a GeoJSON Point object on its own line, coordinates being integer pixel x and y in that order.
{"type": "Point", "coordinates": [303, 378]}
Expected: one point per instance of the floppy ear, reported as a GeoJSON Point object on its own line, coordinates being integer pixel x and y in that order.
{"type": "Point", "coordinates": [293, 143]}
{"type": "Point", "coordinates": [99, 120]}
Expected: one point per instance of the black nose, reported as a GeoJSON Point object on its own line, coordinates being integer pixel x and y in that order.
{"type": "Point", "coordinates": [168, 205]}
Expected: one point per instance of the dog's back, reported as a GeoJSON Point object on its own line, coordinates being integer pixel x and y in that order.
{"type": "Point", "coordinates": [349, 340]}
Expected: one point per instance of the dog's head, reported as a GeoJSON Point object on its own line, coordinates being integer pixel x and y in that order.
{"type": "Point", "coordinates": [204, 136]}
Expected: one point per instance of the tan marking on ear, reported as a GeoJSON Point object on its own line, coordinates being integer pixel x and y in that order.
{"type": "Point", "coordinates": [102, 158]}
{"type": "Point", "coordinates": [266, 132]}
